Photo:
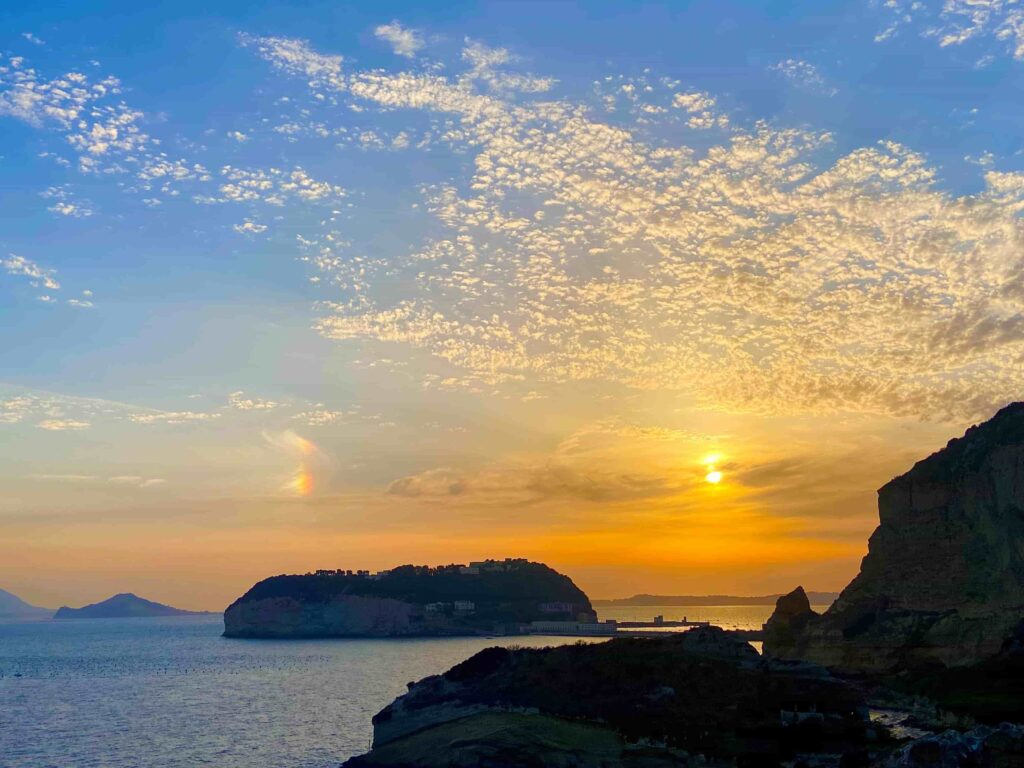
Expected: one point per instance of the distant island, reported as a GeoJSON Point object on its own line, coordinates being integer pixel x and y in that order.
{"type": "Point", "coordinates": [13, 607]}
{"type": "Point", "coordinates": [816, 598]}
{"type": "Point", "coordinates": [123, 606]}
{"type": "Point", "coordinates": [489, 596]}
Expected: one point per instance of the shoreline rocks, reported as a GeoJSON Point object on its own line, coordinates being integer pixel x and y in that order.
{"type": "Point", "coordinates": [682, 700]}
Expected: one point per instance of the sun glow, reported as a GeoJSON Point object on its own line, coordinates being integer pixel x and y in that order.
{"type": "Point", "coordinates": [714, 477]}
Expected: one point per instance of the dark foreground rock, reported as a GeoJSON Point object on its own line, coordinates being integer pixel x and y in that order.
{"type": "Point", "coordinates": [681, 700]}
{"type": "Point", "coordinates": [942, 585]}
{"type": "Point", "coordinates": [981, 747]}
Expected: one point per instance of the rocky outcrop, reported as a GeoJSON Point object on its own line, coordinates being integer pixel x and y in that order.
{"type": "Point", "coordinates": [636, 701]}
{"type": "Point", "coordinates": [943, 581]}
{"type": "Point", "coordinates": [1001, 747]}
{"type": "Point", "coordinates": [487, 597]}
{"type": "Point", "coordinates": [792, 615]}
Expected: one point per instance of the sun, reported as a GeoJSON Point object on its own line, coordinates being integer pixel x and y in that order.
{"type": "Point", "coordinates": [714, 477]}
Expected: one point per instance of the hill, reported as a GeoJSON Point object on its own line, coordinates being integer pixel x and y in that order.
{"type": "Point", "coordinates": [13, 607]}
{"type": "Point", "coordinates": [409, 600]}
{"type": "Point", "coordinates": [122, 606]}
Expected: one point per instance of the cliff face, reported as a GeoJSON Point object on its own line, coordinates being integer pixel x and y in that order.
{"type": "Point", "coordinates": [943, 581]}
{"type": "Point", "coordinates": [343, 615]}
{"type": "Point", "coordinates": [406, 601]}
{"type": "Point", "coordinates": [637, 701]}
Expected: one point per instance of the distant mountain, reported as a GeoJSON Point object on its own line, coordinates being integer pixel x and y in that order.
{"type": "Point", "coordinates": [816, 598]}
{"type": "Point", "coordinates": [13, 607]}
{"type": "Point", "coordinates": [123, 606]}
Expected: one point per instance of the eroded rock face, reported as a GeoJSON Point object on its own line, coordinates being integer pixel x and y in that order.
{"type": "Point", "coordinates": [343, 615]}
{"type": "Point", "coordinates": [943, 581]}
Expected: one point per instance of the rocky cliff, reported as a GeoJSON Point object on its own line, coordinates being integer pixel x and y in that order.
{"type": "Point", "coordinates": [942, 584]}
{"type": "Point", "coordinates": [406, 601]}
{"type": "Point", "coordinates": [637, 701]}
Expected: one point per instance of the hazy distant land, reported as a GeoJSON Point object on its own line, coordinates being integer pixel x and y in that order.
{"type": "Point", "coordinates": [122, 606]}
{"type": "Point", "coordinates": [816, 598]}
{"type": "Point", "coordinates": [13, 607]}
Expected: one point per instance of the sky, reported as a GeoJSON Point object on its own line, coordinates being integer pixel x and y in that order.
{"type": "Point", "coordinates": [656, 293]}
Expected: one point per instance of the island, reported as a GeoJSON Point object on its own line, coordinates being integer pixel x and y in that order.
{"type": "Point", "coordinates": [484, 597]}
{"type": "Point", "coordinates": [122, 606]}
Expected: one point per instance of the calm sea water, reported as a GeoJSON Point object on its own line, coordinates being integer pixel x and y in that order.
{"type": "Point", "coordinates": [173, 693]}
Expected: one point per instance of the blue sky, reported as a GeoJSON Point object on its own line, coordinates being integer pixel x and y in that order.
{"type": "Point", "coordinates": [516, 268]}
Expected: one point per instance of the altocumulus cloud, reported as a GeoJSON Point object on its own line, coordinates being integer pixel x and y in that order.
{"type": "Point", "coordinates": [764, 273]}
{"type": "Point", "coordinates": [999, 23]}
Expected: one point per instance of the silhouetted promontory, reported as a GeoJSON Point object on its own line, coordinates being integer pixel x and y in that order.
{"type": "Point", "coordinates": [410, 600]}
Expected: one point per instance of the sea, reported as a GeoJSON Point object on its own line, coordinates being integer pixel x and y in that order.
{"type": "Point", "coordinates": [173, 693]}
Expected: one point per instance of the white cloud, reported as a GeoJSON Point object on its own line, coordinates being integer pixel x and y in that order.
{"type": "Point", "coordinates": [171, 417]}
{"type": "Point", "coordinates": [803, 74]}
{"type": "Point", "coordinates": [102, 129]}
{"type": "Point", "coordinates": [39, 276]}
{"type": "Point", "coordinates": [702, 108]}
{"type": "Point", "coordinates": [239, 401]}
{"type": "Point", "coordinates": [320, 417]}
{"type": "Point", "coordinates": [250, 227]}
{"type": "Point", "coordinates": [62, 425]}
{"type": "Point", "coordinates": [238, 136]}
{"type": "Point", "coordinates": [32, 38]}
{"type": "Point", "coordinates": [403, 40]}
{"type": "Point", "coordinates": [65, 203]}
{"type": "Point", "coordinates": [756, 274]}
{"type": "Point", "coordinates": [996, 23]}
{"type": "Point", "coordinates": [273, 186]}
